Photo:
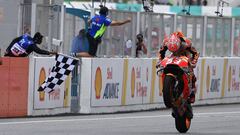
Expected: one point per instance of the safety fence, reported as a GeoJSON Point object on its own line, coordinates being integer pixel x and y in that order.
{"type": "Point", "coordinates": [43, 18]}
{"type": "Point", "coordinates": [212, 36]}
{"type": "Point", "coordinates": [102, 85]}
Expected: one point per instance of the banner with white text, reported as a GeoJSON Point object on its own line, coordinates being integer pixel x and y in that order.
{"type": "Point", "coordinates": [139, 81]}
{"type": "Point", "coordinates": [213, 78]}
{"type": "Point", "coordinates": [232, 87]}
{"type": "Point", "coordinates": [107, 78]}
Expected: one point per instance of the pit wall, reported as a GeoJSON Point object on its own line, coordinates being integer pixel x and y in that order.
{"type": "Point", "coordinates": [116, 84]}
{"type": "Point", "coordinates": [14, 87]}
{"type": "Point", "coordinates": [108, 85]}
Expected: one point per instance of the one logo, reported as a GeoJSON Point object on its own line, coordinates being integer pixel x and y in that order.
{"type": "Point", "coordinates": [42, 77]}
{"type": "Point", "coordinates": [133, 77]}
{"type": "Point", "coordinates": [98, 83]}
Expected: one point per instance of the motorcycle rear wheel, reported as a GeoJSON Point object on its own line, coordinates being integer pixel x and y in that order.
{"type": "Point", "coordinates": [168, 86]}
{"type": "Point", "coordinates": [182, 123]}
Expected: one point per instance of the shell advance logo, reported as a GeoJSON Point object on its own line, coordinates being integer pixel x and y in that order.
{"type": "Point", "coordinates": [133, 78]}
{"type": "Point", "coordinates": [98, 83]}
{"type": "Point", "coordinates": [110, 84]}
{"type": "Point", "coordinates": [42, 78]}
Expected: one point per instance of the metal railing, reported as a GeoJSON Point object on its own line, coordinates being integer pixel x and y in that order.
{"type": "Point", "coordinates": [46, 19]}
{"type": "Point", "coordinates": [212, 36]}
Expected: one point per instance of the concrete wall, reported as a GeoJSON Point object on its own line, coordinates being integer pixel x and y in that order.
{"type": "Point", "coordinates": [109, 85]}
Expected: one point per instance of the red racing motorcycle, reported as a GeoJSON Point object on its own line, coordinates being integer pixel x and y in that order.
{"type": "Point", "coordinates": [175, 73]}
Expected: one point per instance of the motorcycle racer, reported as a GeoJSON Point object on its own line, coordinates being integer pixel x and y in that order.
{"type": "Point", "coordinates": [180, 45]}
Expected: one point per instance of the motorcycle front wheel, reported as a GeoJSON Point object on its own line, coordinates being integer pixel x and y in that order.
{"type": "Point", "coordinates": [182, 123]}
{"type": "Point", "coordinates": [168, 86]}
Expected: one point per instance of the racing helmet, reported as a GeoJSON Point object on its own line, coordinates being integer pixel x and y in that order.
{"type": "Point", "coordinates": [173, 43]}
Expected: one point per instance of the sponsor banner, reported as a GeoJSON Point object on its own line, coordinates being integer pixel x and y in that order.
{"type": "Point", "coordinates": [139, 81]}
{"type": "Point", "coordinates": [213, 75]}
{"type": "Point", "coordinates": [107, 78]}
{"type": "Point", "coordinates": [232, 87]}
{"type": "Point", "coordinates": [44, 100]}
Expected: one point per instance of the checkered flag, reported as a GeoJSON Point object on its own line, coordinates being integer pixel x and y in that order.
{"type": "Point", "coordinates": [63, 67]}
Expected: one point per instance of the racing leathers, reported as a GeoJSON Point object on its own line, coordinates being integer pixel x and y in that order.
{"type": "Point", "coordinates": [185, 49]}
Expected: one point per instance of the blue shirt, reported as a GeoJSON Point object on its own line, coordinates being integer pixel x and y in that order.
{"type": "Point", "coordinates": [99, 25]}
{"type": "Point", "coordinates": [79, 44]}
{"type": "Point", "coordinates": [20, 47]}
{"type": "Point", "coordinates": [26, 41]}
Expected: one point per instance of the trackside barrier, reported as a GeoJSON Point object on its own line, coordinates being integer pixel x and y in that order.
{"type": "Point", "coordinates": [116, 84]}
{"type": "Point", "coordinates": [14, 87]}
{"type": "Point", "coordinates": [108, 85]}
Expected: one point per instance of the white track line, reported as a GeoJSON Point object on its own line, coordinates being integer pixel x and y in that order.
{"type": "Point", "coordinates": [112, 118]}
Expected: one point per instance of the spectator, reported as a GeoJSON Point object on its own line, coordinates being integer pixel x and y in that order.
{"type": "Point", "coordinates": [24, 45]}
{"type": "Point", "coordinates": [180, 45]}
{"type": "Point", "coordinates": [128, 47]}
{"type": "Point", "coordinates": [99, 25]}
{"type": "Point", "coordinates": [80, 43]}
{"type": "Point", "coordinates": [141, 48]}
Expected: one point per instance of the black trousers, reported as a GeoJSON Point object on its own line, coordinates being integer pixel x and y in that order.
{"type": "Point", "coordinates": [93, 44]}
